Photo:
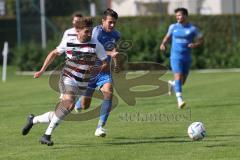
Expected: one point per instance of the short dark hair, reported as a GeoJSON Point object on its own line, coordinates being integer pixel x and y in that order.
{"type": "Point", "coordinates": [183, 10]}
{"type": "Point", "coordinates": [77, 14]}
{"type": "Point", "coordinates": [84, 22]}
{"type": "Point", "coordinates": [110, 12]}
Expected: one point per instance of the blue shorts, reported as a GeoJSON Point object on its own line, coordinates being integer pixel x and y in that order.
{"type": "Point", "coordinates": [98, 81]}
{"type": "Point", "coordinates": [180, 66]}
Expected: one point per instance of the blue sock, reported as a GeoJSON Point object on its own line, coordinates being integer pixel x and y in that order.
{"type": "Point", "coordinates": [78, 104]}
{"type": "Point", "coordinates": [178, 86]}
{"type": "Point", "coordinates": [104, 112]}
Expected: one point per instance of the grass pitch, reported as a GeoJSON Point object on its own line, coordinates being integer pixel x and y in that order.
{"type": "Point", "coordinates": [213, 98]}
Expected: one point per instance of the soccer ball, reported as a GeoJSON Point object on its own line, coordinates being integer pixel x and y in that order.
{"type": "Point", "coordinates": [196, 131]}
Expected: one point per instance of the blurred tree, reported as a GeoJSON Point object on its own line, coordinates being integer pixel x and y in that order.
{"type": "Point", "coordinates": [55, 7]}
{"type": "Point", "coordinates": [66, 7]}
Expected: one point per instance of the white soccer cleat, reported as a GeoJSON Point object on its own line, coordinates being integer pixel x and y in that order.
{"type": "Point", "coordinates": [170, 88]}
{"type": "Point", "coordinates": [181, 104]}
{"type": "Point", "coordinates": [100, 132]}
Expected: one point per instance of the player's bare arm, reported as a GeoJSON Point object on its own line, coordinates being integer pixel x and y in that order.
{"type": "Point", "coordinates": [197, 43]}
{"type": "Point", "coordinates": [49, 59]}
{"type": "Point", "coordinates": [166, 39]}
{"type": "Point", "coordinates": [114, 54]}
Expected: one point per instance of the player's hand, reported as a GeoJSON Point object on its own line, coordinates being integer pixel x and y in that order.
{"type": "Point", "coordinates": [192, 45]}
{"type": "Point", "coordinates": [114, 54]}
{"type": "Point", "coordinates": [37, 74]}
{"type": "Point", "coordinates": [163, 47]}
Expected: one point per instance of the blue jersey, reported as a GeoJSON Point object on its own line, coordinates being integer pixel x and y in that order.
{"type": "Point", "coordinates": [107, 39]}
{"type": "Point", "coordinates": [182, 35]}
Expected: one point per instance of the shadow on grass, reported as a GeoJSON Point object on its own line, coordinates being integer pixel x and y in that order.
{"type": "Point", "coordinates": [118, 141]}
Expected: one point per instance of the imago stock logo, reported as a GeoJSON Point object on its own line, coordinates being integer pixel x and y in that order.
{"type": "Point", "coordinates": [129, 76]}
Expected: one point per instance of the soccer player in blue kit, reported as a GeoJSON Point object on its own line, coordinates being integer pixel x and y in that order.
{"type": "Point", "coordinates": [108, 37]}
{"type": "Point", "coordinates": [184, 36]}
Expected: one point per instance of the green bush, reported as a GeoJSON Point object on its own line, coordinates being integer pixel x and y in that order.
{"type": "Point", "coordinates": [218, 51]}
{"type": "Point", "coordinates": [30, 56]}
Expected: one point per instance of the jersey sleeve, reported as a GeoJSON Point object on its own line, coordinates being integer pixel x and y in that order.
{"type": "Point", "coordinates": [170, 30]}
{"type": "Point", "coordinates": [100, 51]}
{"type": "Point", "coordinates": [118, 35]}
{"type": "Point", "coordinates": [197, 33]}
{"type": "Point", "coordinates": [95, 32]}
{"type": "Point", "coordinates": [61, 48]}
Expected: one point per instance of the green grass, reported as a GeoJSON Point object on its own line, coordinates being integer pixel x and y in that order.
{"type": "Point", "coordinates": [212, 97]}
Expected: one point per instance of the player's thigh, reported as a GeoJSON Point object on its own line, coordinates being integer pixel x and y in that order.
{"type": "Point", "coordinates": [186, 68]}
{"type": "Point", "coordinates": [70, 91]}
{"type": "Point", "coordinates": [176, 66]}
{"type": "Point", "coordinates": [68, 96]}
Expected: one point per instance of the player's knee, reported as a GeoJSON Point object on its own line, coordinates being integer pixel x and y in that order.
{"type": "Point", "coordinates": [107, 94]}
{"type": "Point", "coordinates": [67, 103]}
{"type": "Point", "coordinates": [107, 91]}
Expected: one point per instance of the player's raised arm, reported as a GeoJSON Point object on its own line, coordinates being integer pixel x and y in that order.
{"type": "Point", "coordinates": [49, 59]}
{"type": "Point", "coordinates": [115, 58]}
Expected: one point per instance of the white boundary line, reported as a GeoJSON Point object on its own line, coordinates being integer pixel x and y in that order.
{"type": "Point", "coordinates": [233, 70]}
{"type": "Point", "coordinates": [217, 70]}
{"type": "Point", "coordinates": [30, 73]}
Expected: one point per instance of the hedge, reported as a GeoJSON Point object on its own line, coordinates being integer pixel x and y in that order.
{"type": "Point", "coordinates": [219, 49]}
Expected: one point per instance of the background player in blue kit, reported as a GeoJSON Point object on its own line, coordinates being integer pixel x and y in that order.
{"type": "Point", "coordinates": [107, 36]}
{"type": "Point", "coordinates": [182, 35]}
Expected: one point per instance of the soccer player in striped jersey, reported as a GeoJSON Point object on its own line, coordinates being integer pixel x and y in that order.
{"type": "Point", "coordinates": [108, 37]}
{"type": "Point", "coordinates": [81, 52]}
{"type": "Point", "coordinates": [185, 36]}
{"type": "Point", "coordinates": [47, 117]}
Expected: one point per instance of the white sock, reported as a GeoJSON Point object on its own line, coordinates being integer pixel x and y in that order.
{"type": "Point", "coordinates": [53, 124]}
{"type": "Point", "coordinates": [179, 97]}
{"type": "Point", "coordinates": [44, 118]}
{"type": "Point", "coordinates": [172, 83]}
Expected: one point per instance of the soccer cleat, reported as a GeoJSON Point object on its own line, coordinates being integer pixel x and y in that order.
{"type": "Point", "coordinates": [181, 104]}
{"type": "Point", "coordinates": [100, 132]}
{"type": "Point", "coordinates": [46, 139]}
{"type": "Point", "coordinates": [170, 88]}
{"type": "Point", "coordinates": [28, 125]}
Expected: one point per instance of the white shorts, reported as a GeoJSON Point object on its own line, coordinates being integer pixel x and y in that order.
{"type": "Point", "coordinates": [70, 85]}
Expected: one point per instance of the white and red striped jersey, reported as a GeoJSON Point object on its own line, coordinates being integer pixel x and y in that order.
{"type": "Point", "coordinates": [71, 32]}
{"type": "Point", "coordinates": [79, 57]}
